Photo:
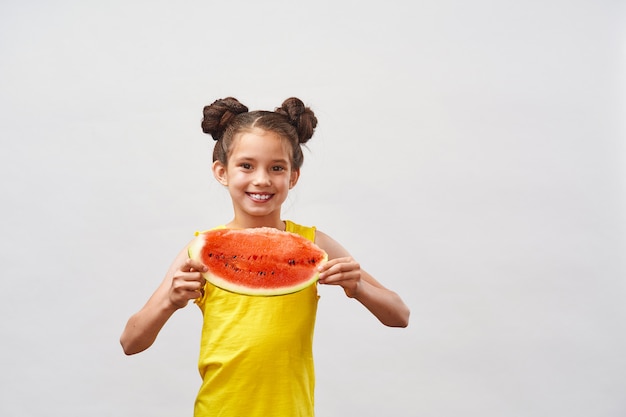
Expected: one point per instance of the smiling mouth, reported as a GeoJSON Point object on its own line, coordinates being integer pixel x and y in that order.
{"type": "Point", "coordinates": [260, 197]}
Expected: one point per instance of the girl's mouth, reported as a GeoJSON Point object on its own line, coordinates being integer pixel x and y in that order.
{"type": "Point", "coordinates": [260, 197]}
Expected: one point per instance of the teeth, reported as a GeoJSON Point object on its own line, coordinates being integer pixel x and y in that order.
{"type": "Point", "coordinates": [260, 196]}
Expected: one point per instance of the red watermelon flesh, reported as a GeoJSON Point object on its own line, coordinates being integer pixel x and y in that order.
{"type": "Point", "coordinates": [258, 261]}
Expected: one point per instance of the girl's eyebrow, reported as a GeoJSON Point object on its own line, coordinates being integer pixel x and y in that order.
{"type": "Point", "coordinates": [244, 159]}
{"type": "Point", "coordinates": [250, 158]}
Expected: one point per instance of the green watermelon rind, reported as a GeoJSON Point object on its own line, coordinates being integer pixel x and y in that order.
{"type": "Point", "coordinates": [195, 248]}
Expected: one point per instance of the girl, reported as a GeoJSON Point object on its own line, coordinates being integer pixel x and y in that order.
{"type": "Point", "coordinates": [256, 352]}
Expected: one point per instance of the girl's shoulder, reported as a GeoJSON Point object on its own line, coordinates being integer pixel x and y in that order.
{"type": "Point", "coordinates": [330, 245]}
{"type": "Point", "coordinates": [308, 232]}
{"type": "Point", "coordinates": [222, 226]}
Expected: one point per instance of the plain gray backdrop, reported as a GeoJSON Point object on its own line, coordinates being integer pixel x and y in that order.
{"type": "Point", "coordinates": [469, 154]}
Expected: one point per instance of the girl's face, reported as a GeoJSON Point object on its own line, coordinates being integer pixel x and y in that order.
{"type": "Point", "coordinates": [258, 176]}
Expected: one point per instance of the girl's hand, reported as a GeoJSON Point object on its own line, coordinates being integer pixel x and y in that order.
{"type": "Point", "coordinates": [187, 283]}
{"type": "Point", "coordinates": [345, 272]}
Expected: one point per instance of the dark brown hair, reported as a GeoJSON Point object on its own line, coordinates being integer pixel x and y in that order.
{"type": "Point", "coordinates": [227, 117]}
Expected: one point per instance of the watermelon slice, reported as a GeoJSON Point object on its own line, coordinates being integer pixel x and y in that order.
{"type": "Point", "coordinates": [258, 261]}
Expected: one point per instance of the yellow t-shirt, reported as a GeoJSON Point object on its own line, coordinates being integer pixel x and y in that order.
{"type": "Point", "coordinates": [256, 353]}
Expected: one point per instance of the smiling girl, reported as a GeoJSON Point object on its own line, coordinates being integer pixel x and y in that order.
{"type": "Point", "coordinates": [256, 352]}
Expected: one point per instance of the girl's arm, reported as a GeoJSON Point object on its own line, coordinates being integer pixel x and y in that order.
{"type": "Point", "coordinates": [183, 282]}
{"type": "Point", "coordinates": [343, 270]}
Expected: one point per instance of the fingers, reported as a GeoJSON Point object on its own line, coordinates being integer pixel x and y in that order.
{"type": "Point", "coordinates": [187, 283]}
{"type": "Point", "coordinates": [182, 291]}
{"type": "Point", "coordinates": [189, 275]}
{"type": "Point", "coordinates": [339, 269]}
{"type": "Point", "coordinates": [191, 265]}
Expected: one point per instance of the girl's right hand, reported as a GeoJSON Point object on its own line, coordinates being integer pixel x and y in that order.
{"type": "Point", "coordinates": [187, 283]}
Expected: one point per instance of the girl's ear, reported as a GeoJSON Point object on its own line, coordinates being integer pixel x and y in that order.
{"type": "Point", "coordinates": [219, 172]}
{"type": "Point", "coordinates": [295, 174]}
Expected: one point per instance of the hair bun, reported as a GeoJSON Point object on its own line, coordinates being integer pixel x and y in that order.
{"type": "Point", "coordinates": [219, 114]}
{"type": "Point", "coordinates": [300, 116]}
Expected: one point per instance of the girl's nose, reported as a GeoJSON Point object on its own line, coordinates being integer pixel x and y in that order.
{"type": "Point", "coordinates": [262, 178]}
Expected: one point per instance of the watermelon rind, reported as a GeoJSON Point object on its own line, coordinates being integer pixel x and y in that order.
{"type": "Point", "coordinates": [195, 249]}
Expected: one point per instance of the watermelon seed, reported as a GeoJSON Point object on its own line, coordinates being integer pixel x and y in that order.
{"type": "Point", "coordinates": [292, 262]}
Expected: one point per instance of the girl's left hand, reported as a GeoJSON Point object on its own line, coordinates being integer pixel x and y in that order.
{"type": "Point", "coordinates": [345, 272]}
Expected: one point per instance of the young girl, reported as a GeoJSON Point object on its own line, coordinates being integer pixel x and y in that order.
{"type": "Point", "coordinates": [256, 352]}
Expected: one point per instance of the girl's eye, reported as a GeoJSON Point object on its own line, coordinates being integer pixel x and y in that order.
{"type": "Point", "coordinates": [278, 168]}
{"type": "Point", "coordinates": [246, 165]}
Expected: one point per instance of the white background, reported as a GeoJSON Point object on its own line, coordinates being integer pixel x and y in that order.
{"type": "Point", "coordinates": [470, 155]}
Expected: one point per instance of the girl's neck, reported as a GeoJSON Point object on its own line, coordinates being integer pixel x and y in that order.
{"type": "Point", "coordinates": [239, 223]}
